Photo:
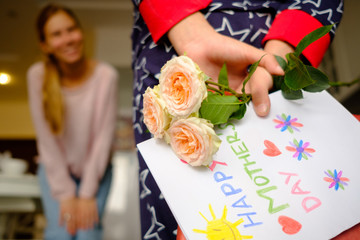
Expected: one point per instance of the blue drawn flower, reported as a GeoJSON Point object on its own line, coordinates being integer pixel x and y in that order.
{"type": "Point", "coordinates": [287, 123]}
{"type": "Point", "coordinates": [301, 149]}
{"type": "Point", "coordinates": [336, 179]}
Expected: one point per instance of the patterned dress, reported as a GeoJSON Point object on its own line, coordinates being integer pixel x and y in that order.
{"type": "Point", "coordinates": [244, 20]}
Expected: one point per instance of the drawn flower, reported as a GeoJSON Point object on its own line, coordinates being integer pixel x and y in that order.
{"type": "Point", "coordinates": [193, 140]}
{"type": "Point", "coordinates": [301, 149]}
{"type": "Point", "coordinates": [335, 179]}
{"type": "Point", "coordinates": [182, 86]}
{"type": "Point", "coordinates": [286, 123]}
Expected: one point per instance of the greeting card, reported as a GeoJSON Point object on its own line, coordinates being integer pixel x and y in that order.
{"type": "Point", "coordinates": [290, 175]}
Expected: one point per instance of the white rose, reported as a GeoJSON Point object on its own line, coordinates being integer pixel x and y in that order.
{"type": "Point", "coordinates": [182, 86]}
{"type": "Point", "coordinates": [193, 140]}
{"type": "Point", "coordinates": [156, 118]}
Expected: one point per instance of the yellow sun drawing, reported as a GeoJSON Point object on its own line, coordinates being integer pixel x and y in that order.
{"type": "Point", "coordinates": [222, 229]}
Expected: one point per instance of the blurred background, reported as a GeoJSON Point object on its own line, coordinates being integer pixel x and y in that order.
{"type": "Point", "coordinates": [107, 25]}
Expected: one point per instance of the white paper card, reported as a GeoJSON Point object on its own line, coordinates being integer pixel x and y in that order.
{"type": "Point", "coordinates": [291, 175]}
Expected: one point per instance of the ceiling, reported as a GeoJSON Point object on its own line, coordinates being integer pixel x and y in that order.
{"type": "Point", "coordinates": [19, 47]}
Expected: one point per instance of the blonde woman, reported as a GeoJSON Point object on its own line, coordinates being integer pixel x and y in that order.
{"type": "Point", "coordinates": [73, 105]}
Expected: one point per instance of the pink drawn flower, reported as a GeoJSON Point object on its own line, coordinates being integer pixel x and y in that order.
{"type": "Point", "coordinates": [286, 123]}
{"type": "Point", "coordinates": [336, 180]}
{"type": "Point", "coordinates": [301, 149]}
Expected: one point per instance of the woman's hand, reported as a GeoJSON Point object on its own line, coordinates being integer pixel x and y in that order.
{"type": "Point", "coordinates": [210, 50]}
{"type": "Point", "coordinates": [78, 213]}
{"type": "Point", "coordinates": [68, 215]}
{"type": "Point", "coordinates": [87, 213]}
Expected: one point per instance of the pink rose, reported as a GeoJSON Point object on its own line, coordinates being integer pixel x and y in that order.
{"type": "Point", "coordinates": [193, 140]}
{"type": "Point", "coordinates": [182, 86]}
{"type": "Point", "coordinates": [155, 117]}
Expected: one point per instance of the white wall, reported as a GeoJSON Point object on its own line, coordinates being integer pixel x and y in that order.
{"type": "Point", "coordinates": [15, 121]}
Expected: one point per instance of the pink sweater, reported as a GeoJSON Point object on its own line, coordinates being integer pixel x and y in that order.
{"type": "Point", "coordinates": [84, 147]}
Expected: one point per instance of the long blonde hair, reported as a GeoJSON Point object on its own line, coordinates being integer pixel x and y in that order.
{"type": "Point", "coordinates": [51, 93]}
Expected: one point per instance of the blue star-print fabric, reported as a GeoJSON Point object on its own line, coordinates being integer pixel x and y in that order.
{"type": "Point", "coordinates": [247, 21]}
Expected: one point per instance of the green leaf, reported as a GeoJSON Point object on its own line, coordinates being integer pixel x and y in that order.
{"type": "Point", "coordinates": [312, 37]}
{"type": "Point", "coordinates": [251, 72]}
{"type": "Point", "coordinates": [278, 81]}
{"type": "Point", "coordinates": [297, 77]}
{"type": "Point", "coordinates": [290, 94]}
{"type": "Point", "coordinates": [282, 62]}
{"type": "Point", "coordinates": [218, 108]}
{"type": "Point", "coordinates": [239, 114]}
{"type": "Point", "coordinates": [223, 76]}
{"type": "Point", "coordinates": [321, 80]}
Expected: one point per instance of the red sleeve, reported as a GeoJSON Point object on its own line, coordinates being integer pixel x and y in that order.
{"type": "Point", "coordinates": [161, 15]}
{"type": "Point", "coordinates": [291, 26]}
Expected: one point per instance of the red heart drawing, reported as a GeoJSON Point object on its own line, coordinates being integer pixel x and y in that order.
{"type": "Point", "coordinates": [289, 225]}
{"type": "Point", "coordinates": [271, 150]}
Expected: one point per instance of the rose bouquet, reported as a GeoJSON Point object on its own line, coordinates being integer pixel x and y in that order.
{"type": "Point", "coordinates": [171, 111]}
{"type": "Point", "coordinates": [184, 107]}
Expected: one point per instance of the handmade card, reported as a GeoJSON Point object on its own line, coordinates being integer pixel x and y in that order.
{"type": "Point", "coordinates": [291, 175]}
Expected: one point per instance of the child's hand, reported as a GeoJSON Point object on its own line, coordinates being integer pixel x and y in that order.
{"type": "Point", "coordinates": [210, 50]}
